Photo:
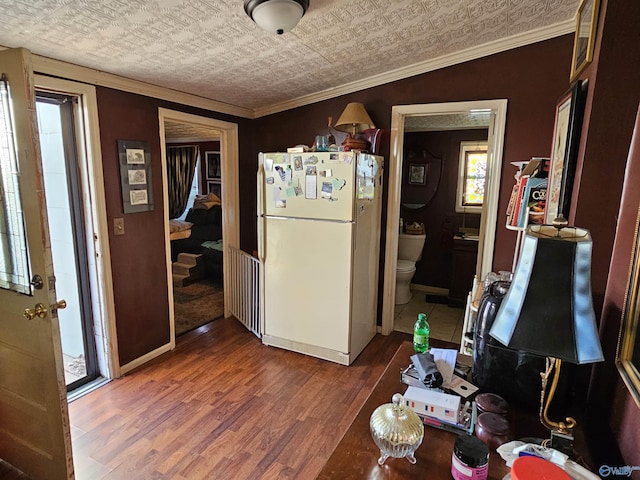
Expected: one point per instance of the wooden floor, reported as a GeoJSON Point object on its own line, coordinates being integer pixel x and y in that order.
{"type": "Point", "coordinates": [222, 405]}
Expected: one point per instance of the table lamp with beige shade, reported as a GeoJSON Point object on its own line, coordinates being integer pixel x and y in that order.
{"type": "Point", "coordinates": [354, 120]}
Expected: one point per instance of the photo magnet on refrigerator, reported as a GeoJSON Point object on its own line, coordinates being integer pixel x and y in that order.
{"type": "Point", "coordinates": [327, 189]}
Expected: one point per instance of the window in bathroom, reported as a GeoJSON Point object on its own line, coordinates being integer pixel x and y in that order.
{"type": "Point", "coordinates": [472, 173]}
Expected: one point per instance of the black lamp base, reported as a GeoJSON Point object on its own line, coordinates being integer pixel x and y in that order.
{"type": "Point", "coordinates": [563, 442]}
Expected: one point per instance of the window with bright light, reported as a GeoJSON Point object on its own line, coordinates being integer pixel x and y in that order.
{"type": "Point", "coordinates": [472, 173]}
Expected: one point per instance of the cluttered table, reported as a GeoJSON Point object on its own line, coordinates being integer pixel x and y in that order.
{"type": "Point", "coordinates": [356, 456]}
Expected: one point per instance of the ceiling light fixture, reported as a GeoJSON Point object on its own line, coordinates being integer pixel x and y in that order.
{"type": "Point", "coordinates": [276, 16]}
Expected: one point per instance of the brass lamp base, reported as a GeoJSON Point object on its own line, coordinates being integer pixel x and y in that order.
{"type": "Point", "coordinates": [351, 143]}
{"type": "Point", "coordinates": [561, 432]}
{"type": "Point", "coordinates": [553, 366]}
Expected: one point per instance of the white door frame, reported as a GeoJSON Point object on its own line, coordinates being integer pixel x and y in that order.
{"type": "Point", "coordinates": [489, 216]}
{"type": "Point", "coordinates": [228, 133]}
{"type": "Point", "coordinates": [96, 224]}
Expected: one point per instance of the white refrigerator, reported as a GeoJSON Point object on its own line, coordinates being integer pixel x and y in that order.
{"type": "Point", "coordinates": [319, 245]}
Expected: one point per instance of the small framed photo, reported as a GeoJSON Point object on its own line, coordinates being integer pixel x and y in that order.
{"type": "Point", "coordinates": [417, 174]}
{"type": "Point", "coordinates": [213, 165]}
{"type": "Point", "coordinates": [585, 36]}
{"type": "Point", "coordinates": [138, 197]}
{"type": "Point", "coordinates": [137, 177]}
{"type": "Point", "coordinates": [135, 156]}
{"type": "Point", "coordinates": [215, 188]}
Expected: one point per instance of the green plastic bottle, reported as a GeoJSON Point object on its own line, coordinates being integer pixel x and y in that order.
{"type": "Point", "coordinates": [421, 334]}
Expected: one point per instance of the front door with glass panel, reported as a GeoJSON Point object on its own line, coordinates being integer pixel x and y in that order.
{"type": "Point", "coordinates": [34, 422]}
{"type": "Point", "coordinates": [61, 172]}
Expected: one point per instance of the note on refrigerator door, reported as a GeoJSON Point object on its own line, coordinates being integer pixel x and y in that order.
{"type": "Point", "coordinates": [310, 186]}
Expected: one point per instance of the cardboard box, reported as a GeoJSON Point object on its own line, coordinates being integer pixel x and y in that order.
{"type": "Point", "coordinates": [434, 404]}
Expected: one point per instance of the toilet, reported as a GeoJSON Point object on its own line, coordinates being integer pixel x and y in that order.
{"type": "Point", "coordinates": [409, 252]}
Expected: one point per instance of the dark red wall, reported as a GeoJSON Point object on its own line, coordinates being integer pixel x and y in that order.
{"type": "Point", "coordinates": [439, 216]}
{"type": "Point", "coordinates": [138, 257]}
{"type": "Point", "coordinates": [531, 78]}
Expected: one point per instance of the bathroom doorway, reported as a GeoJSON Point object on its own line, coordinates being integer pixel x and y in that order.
{"type": "Point", "coordinates": [496, 111]}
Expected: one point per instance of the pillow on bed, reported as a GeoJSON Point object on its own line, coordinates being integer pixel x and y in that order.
{"type": "Point", "coordinates": [205, 202]}
{"type": "Point", "coordinates": [176, 225]}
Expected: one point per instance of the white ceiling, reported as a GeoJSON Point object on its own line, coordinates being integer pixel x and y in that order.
{"type": "Point", "coordinates": [210, 48]}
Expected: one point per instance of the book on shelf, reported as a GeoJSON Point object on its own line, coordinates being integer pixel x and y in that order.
{"type": "Point", "coordinates": [522, 184]}
{"type": "Point", "coordinates": [512, 201]}
{"type": "Point", "coordinates": [528, 196]}
{"type": "Point", "coordinates": [537, 200]}
{"type": "Point", "coordinates": [534, 190]}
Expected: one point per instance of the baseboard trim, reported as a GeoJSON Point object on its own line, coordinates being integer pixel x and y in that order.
{"type": "Point", "coordinates": [443, 292]}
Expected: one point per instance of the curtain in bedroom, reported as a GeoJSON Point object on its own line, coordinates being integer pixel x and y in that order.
{"type": "Point", "coordinates": [181, 165]}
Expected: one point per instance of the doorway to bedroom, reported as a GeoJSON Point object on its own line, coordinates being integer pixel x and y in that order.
{"type": "Point", "coordinates": [194, 190]}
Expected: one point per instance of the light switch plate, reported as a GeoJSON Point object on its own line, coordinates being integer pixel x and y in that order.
{"type": "Point", "coordinates": [118, 226]}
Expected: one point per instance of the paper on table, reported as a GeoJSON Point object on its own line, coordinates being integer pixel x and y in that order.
{"type": "Point", "coordinates": [461, 386]}
{"type": "Point", "coordinates": [445, 359]}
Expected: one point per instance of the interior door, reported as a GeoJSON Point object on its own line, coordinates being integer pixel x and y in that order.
{"type": "Point", "coordinates": [34, 421]}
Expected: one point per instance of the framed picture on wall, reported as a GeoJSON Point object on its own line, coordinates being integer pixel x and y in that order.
{"type": "Point", "coordinates": [564, 151]}
{"type": "Point", "coordinates": [417, 174]}
{"type": "Point", "coordinates": [585, 36]}
{"type": "Point", "coordinates": [215, 188]}
{"type": "Point", "coordinates": [212, 160]}
{"type": "Point", "coordinates": [135, 176]}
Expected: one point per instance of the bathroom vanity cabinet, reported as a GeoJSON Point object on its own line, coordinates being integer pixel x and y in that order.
{"type": "Point", "coordinates": [465, 257]}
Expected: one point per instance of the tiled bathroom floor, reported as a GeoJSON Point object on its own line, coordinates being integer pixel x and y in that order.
{"type": "Point", "coordinates": [445, 322]}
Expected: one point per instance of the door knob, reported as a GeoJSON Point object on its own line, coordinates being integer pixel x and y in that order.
{"type": "Point", "coordinates": [59, 305]}
{"type": "Point", "coordinates": [39, 311]}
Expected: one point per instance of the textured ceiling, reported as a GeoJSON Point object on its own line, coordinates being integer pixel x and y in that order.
{"type": "Point", "coordinates": [180, 131]}
{"type": "Point", "coordinates": [210, 48]}
{"type": "Point", "coordinates": [460, 121]}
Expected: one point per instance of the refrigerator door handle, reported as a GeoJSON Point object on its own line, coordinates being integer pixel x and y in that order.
{"type": "Point", "coordinates": [261, 213]}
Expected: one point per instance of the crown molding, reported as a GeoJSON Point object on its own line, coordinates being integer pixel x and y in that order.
{"type": "Point", "coordinates": [472, 53]}
{"type": "Point", "coordinates": [58, 68]}
{"type": "Point", "coordinates": [70, 71]}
